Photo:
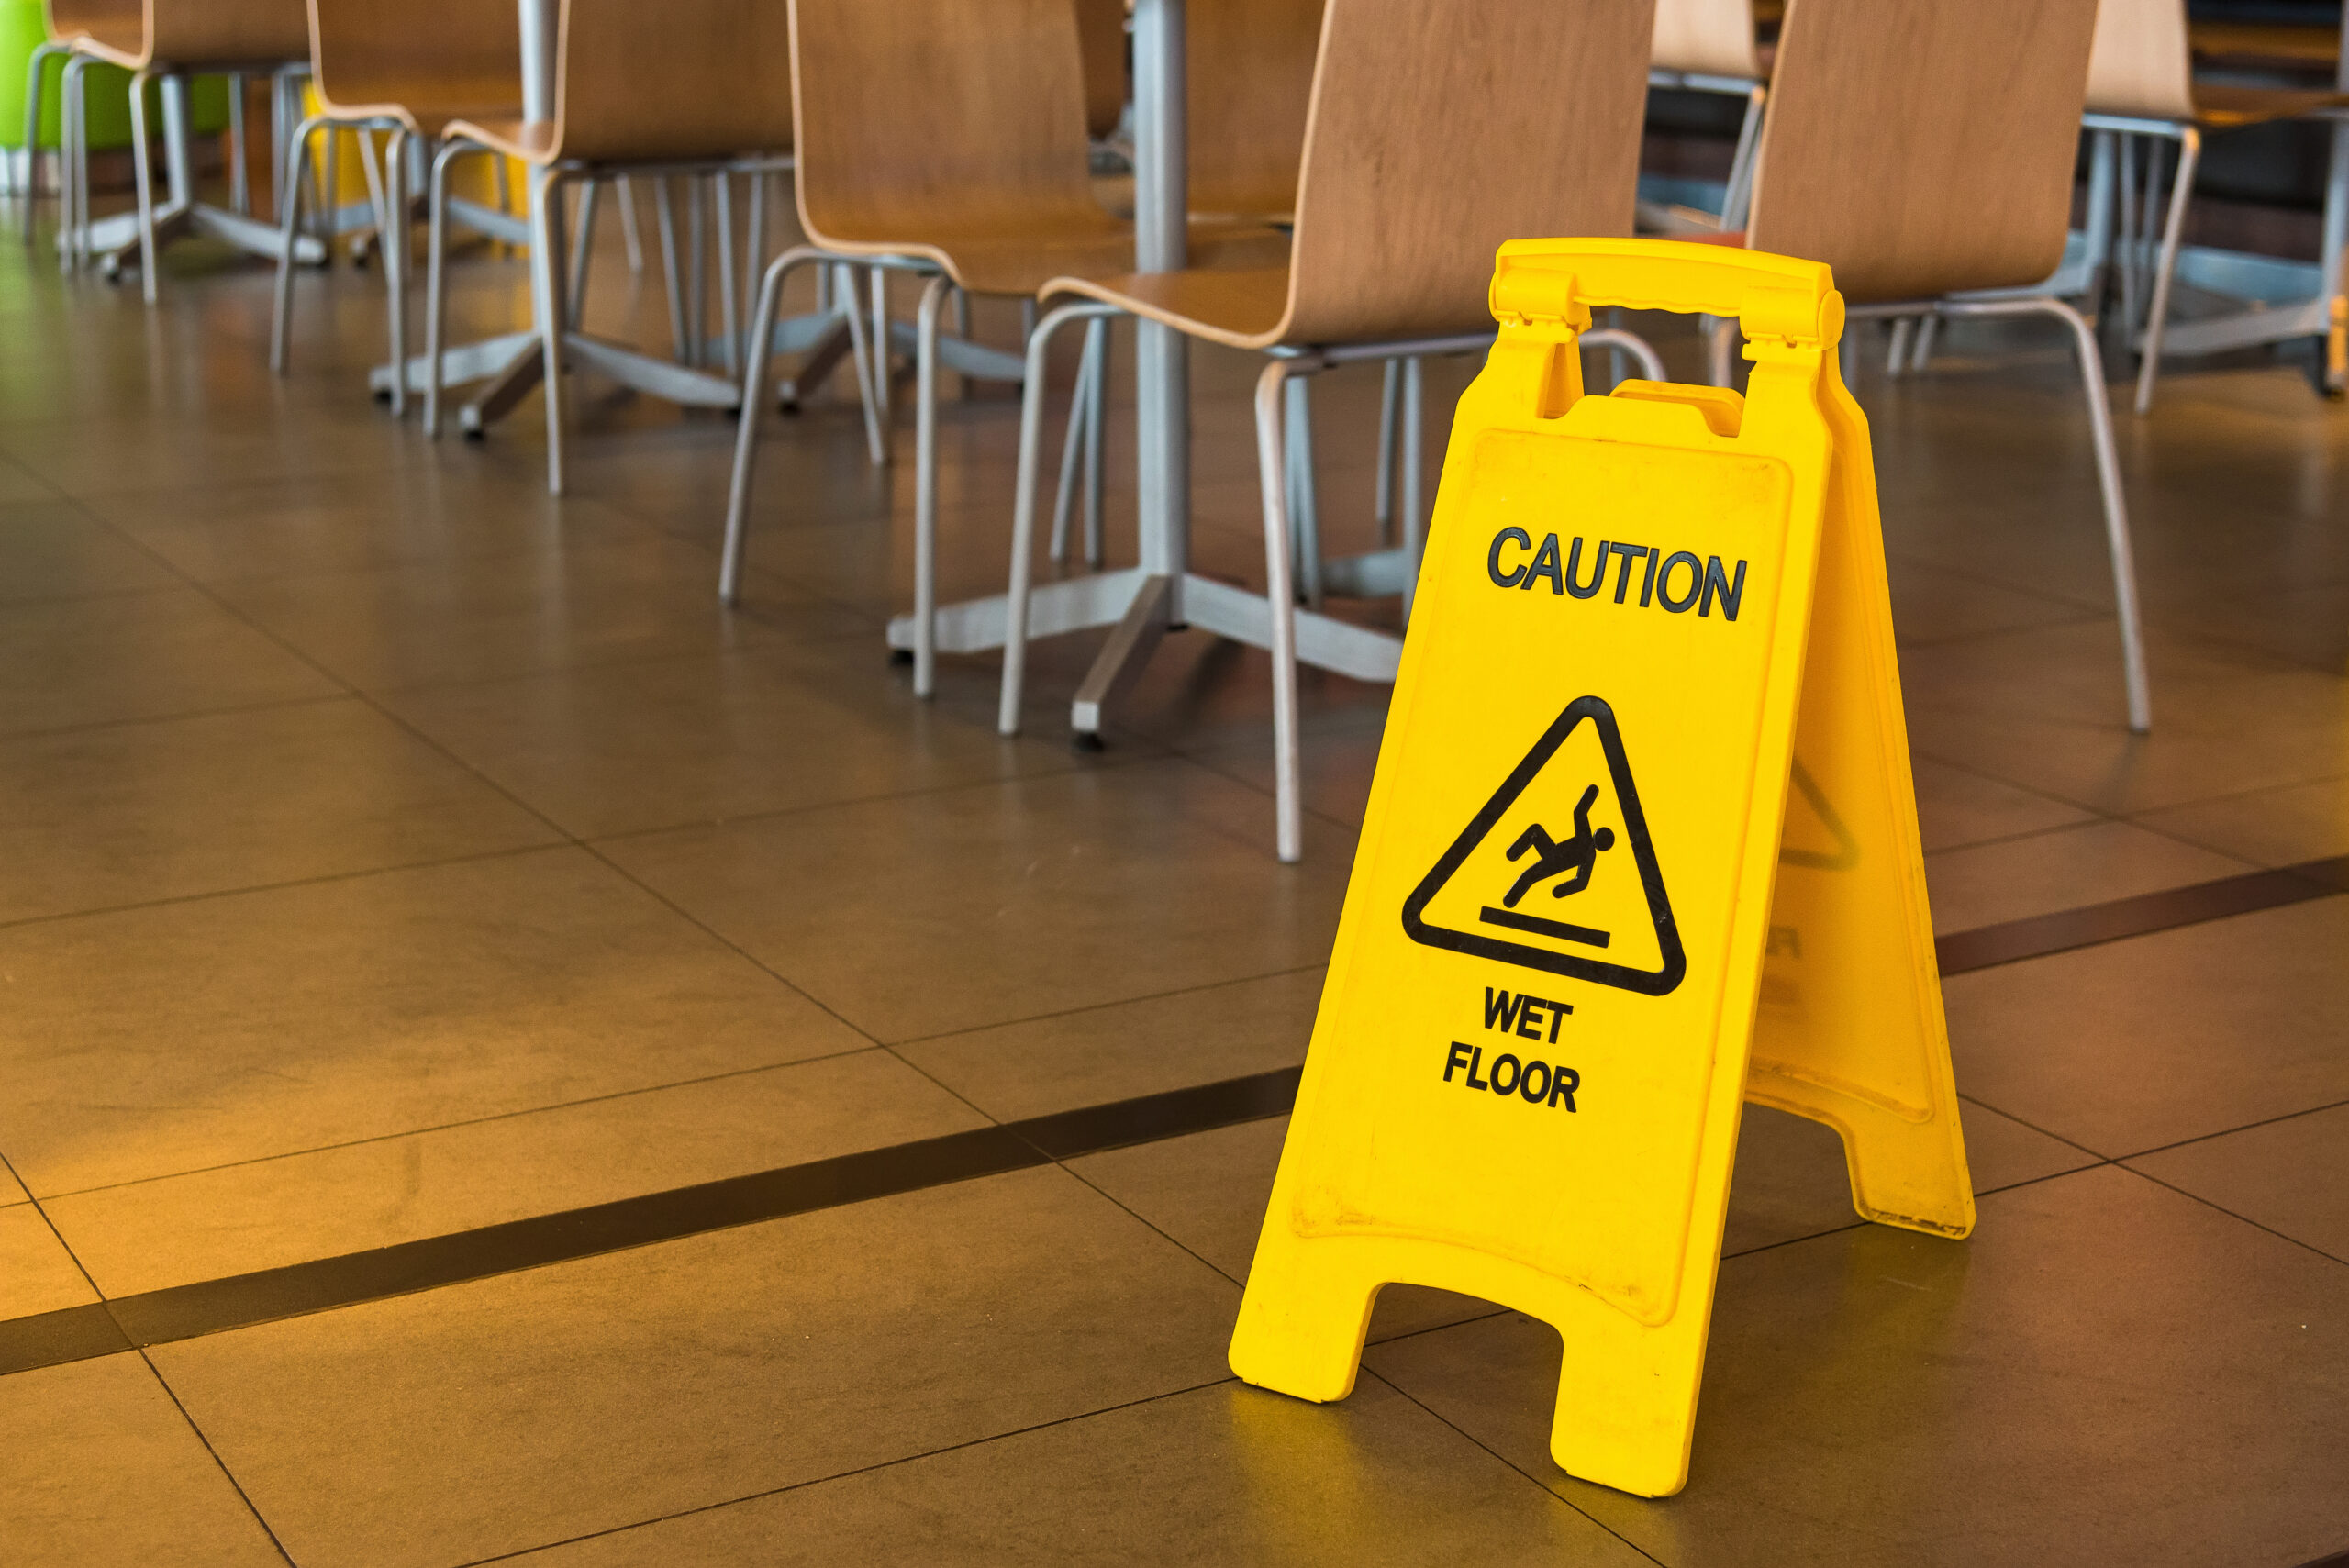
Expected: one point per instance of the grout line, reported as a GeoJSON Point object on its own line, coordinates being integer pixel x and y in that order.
{"type": "Point", "coordinates": [2230, 1132]}
{"type": "Point", "coordinates": [2222, 1208]}
{"type": "Point", "coordinates": [226, 1473]}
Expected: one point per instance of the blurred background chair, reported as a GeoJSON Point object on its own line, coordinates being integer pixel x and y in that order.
{"type": "Point", "coordinates": [1433, 135]}
{"type": "Point", "coordinates": [691, 88]}
{"type": "Point", "coordinates": [406, 71]}
{"type": "Point", "coordinates": [166, 42]}
{"type": "Point", "coordinates": [1926, 153]}
{"type": "Point", "coordinates": [2141, 87]}
{"type": "Point", "coordinates": [950, 142]}
{"type": "Point", "coordinates": [1710, 45]}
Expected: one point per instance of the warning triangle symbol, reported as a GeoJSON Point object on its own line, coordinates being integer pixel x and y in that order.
{"type": "Point", "coordinates": [1815, 835]}
{"type": "Point", "coordinates": [1557, 872]}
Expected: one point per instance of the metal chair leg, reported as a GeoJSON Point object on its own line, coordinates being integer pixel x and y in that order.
{"type": "Point", "coordinates": [546, 292]}
{"type": "Point", "coordinates": [582, 246]}
{"type": "Point", "coordinates": [2189, 153]}
{"type": "Point", "coordinates": [883, 390]}
{"type": "Point", "coordinates": [1414, 521]}
{"type": "Point", "coordinates": [1305, 503]}
{"type": "Point", "coordinates": [241, 195]}
{"type": "Point", "coordinates": [729, 308]}
{"type": "Point", "coordinates": [1739, 197]}
{"type": "Point", "coordinates": [1023, 511]}
{"type": "Point", "coordinates": [630, 236]}
{"type": "Point", "coordinates": [1389, 406]}
{"type": "Point", "coordinates": [1928, 329]}
{"type": "Point", "coordinates": [435, 280]}
{"type": "Point", "coordinates": [394, 233]}
{"type": "Point", "coordinates": [35, 83]}
{"type": "Point", "coordinates": [1288, 817]}
{"type": "Point", "coordinates": [73, 164]}
{"type": "Point", "coordinates": [934, 299]}
{"type": "Point", "coordinates": [696, 263]}
{"type": "Point", "coordinates": [746, 435]}
{"type": "Point", "coordinates": [1097, 428]}
{"type": "Point", "coordinates": [1080, 414]}
{"type": "Point", "coordinates": [141, 163]}
{"type": "Point", "coordinates": [664, 216]}
{"type": "Point", "coordinates": [871, 363]}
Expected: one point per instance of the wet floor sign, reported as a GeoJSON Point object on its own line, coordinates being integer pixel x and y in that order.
{"type": "Point", "coordinates": [1643, 845]}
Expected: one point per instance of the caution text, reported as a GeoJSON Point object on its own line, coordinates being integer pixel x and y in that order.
{"type": "Point", "coordinates": [1676, 581]}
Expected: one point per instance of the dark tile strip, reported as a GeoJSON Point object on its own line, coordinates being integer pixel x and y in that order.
{"type": "Point", "coordinates": [1962, 952]}
{"type": "Point", "coordinates": [210, 1306]}
{"type": "Point", "coordinates": [52, 1338]}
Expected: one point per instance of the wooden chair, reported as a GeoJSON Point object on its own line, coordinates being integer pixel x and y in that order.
{"type": "Point", "coordinates": [167, 41]}
{"type": "Point", "coordinates": [948, 140]}
{"type": "Point", "coordinates": [1926, 153]}
{"type": "Point", "coordinates": [2141, 85]}
{"type": "Point", "coordinates": [689, 86]}
{"type": "Point", "coordinates": [1435, 132]}
{"type": "Point", "coordinates": [410, 70]}
{"type": "Point", "coordinates": [1101, 44]}
{"type": "Point", "coordinates": [1709, 46]}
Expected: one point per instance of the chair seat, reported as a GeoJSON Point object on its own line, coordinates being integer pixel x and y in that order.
{"type": "Point", "coordinates": [1243, 308]}
{"type": "Point", "coordinates": [426, 116]}
{"type": "Point", "coordinates": [2221, 107]}
{"type": "Point", "coordinates": [532, 141]}
{"type": "Point", "coordinates": [1023, 261]}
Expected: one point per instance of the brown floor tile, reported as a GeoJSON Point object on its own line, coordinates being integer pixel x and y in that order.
{"type": "Point", "coordinates": [2089, 1378]}
{"type": "Point", "coordinates": [1956, 806]}
{"type": "Point", "coordinates": [101, 1470]}
{"type": "Point", "coordinates": [72, 663]}
{"type": "Point", "coordinates": [1223, 1474]}
{"type": "Point", "coordinates": [305, 1017]}
{"type": "Point", "coordinates": [2142, 1043]}
{"type": "Point", "coordinates": [304, 525]}
{"type": "Point", "coordinates": [55, 550]}
{"type": "Point", "coordinates": [643, 597]}
{"type": "Point", "coordinates": [624, 748]}
{"type": "Point", "coordinates": [982, 905]}
{"type": "Point", "coordinates": [1932, 605]}
{"type": "Point", "coordinates": [99, 454]}
{"type": "Point", "coordinates": [2042, 708]}
{"type": "Point", "coordinates": [132, 814]}
{"type": "Point", "coordinates": [1125, 1049]}
{"type": "Point", "coordinates": [531, 1408]}
{"type": "Point", "coordinates": [2290, 1175]}
{"type": "Point", "coordinates": [2271, 827]}
{"type": "Point", "coordinates": [233, 1219]}
{"type": "Point", "coordinates": [37, 1273]}
{"type": "Point", "coordinates": [20, 486]}
{"type": "Point", "coordinates": [2064, 868]}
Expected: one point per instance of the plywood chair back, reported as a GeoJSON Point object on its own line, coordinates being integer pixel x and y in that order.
{"type": "Point", "coordinates": [1249, 75]}
{"type": "Point", "coordinates": [459, 54]}
{"type": "Point", "coordinates": [121, 24]}
{"type": "Point", "coordinates": [1101, 43]}
{"type": "Point", "coordinates": [1707, 37]}
{"type": "Point", "coordinates": [1437, 131]}
{"type": "Point", "coordinates": [1926, 147]}
{"type": "Point", "coordinates": [688, 79]}
{"type": "Point", "coordinates": [937, 119]}
{"type": "Point", "coordinates": [227, 33]}
{"type": "Point", "coordinates": [2142, 61]}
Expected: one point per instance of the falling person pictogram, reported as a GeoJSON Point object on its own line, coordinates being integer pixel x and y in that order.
{"type": "Point", "coordinates": [1551, 858]}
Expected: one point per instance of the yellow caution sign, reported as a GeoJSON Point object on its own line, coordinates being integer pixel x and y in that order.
{"type": "Point", "coordinates": [1609, 887]}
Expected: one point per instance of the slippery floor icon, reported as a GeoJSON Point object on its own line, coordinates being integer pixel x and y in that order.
{"type": "Point", "coordinates": [1497, 891]}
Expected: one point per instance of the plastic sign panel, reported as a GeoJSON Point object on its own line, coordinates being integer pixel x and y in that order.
{"type": "Point", "coordinates": [1642, 845]}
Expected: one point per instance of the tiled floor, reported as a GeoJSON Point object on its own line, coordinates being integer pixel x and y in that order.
{"type": "Point", "coordinates": [392, 851]}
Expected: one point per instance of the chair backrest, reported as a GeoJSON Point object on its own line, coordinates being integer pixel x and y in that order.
{"type": "Point", "coordinates": [228, 32]}
{"type": "Point", "coordinates": [923, 119]}
{"type": "Point", "coordinates": [2143, 63]}
{"type": "Point", "coordinates": [1926, 147]}
{"type": "Point", "coordinates": [364, 51]}
{"type": "Point", "coordinates": [683, 79]}
{"type": "Point", "coordinates": [1709, 38]}
{"type": "Point", "coordinates": [1439, 130]}
{"type": "Point", "coordinates": [1249, 68]}
{"type": "Point", "coordinates": [1101, 41]}
{"type": "Point", "coordinates": [118, 24]}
